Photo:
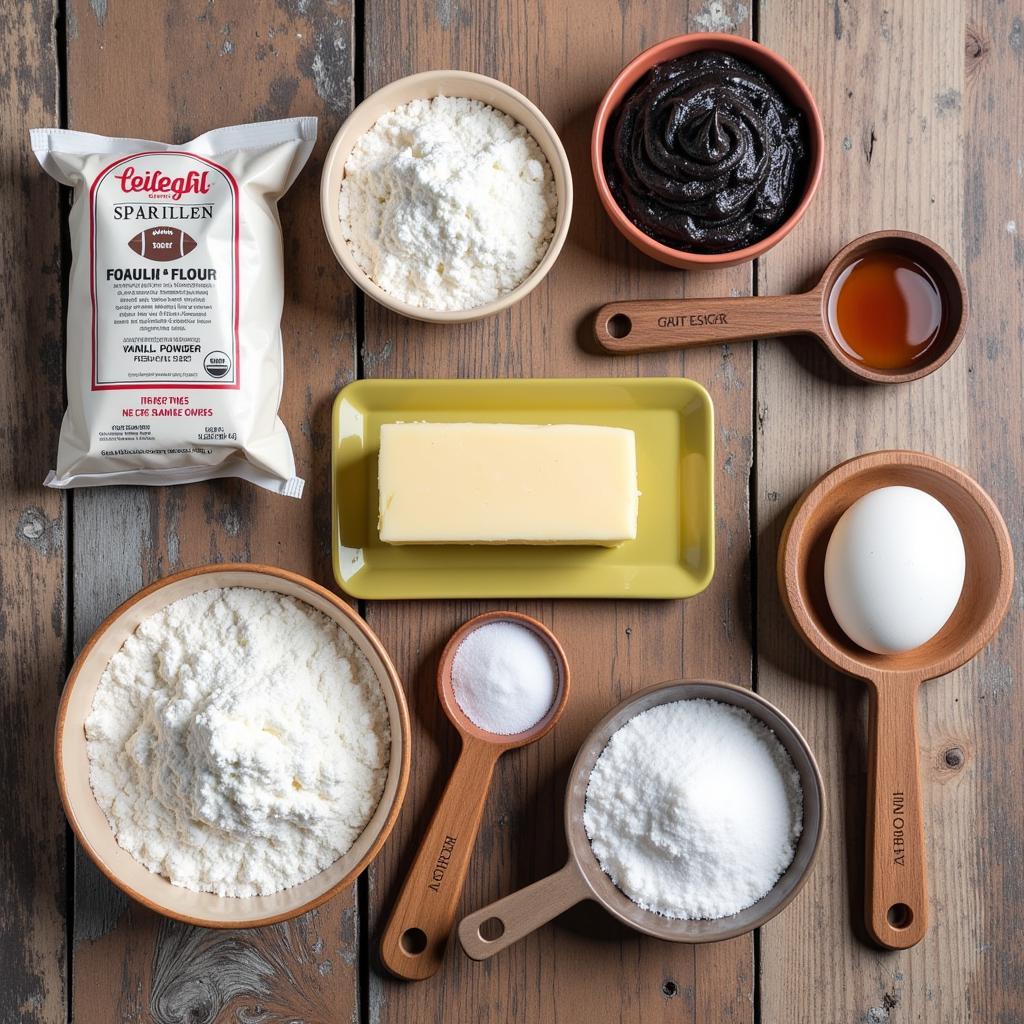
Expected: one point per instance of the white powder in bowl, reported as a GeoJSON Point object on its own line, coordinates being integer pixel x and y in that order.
{"type": "Point", "coordinates": [694, 809]}
{"type": "Point", "coordinates": [504, 678]}
{"type": "Point", "coordinates": [447, 203]}
{"type": "Point", "coordinates": [238, 742]}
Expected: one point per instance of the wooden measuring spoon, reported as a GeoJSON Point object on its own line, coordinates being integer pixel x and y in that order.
{"type": "Point", "coordinates": [652, 325]}
{"type": "Point", "coordinates": [416, 935]}
{"type": "Point", "coordinates": [896, 902]}
{"type": "Point", "coordinates": [494, 928]}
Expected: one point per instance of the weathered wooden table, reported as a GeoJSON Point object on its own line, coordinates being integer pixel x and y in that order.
{"type": "Point", "coordinates": [922, 109]}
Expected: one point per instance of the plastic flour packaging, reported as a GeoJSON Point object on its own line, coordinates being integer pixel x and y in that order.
{"type": "Point", "coordinates": [174, 312]}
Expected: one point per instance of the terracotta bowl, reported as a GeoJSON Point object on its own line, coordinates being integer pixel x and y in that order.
{"type": "Point", "coordinates": [785, 78]}
{"type": "Point", "coordinates": [426, 85]}
{"type": "Point", "coordinates": [88, 820]}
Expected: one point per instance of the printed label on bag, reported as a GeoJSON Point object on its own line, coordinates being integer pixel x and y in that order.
{"type": "Point", "coordinates": [164, 234]}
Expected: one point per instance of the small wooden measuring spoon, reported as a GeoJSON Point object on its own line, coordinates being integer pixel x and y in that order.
{"type": "Point", "coordinates": [416, 935]}
{"type": "Point", "coordinates": [896, 901]}
{"type": "Point", "coordinates": [652, 325]}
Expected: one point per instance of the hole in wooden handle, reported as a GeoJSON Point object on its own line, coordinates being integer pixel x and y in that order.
{"type": "Point", "coordinates": [899, 916]}
{"type": "Point", "coordinates": [619, 325]}
{"type": "Point", "coordinates": [491, 929]}
{"type": "Point", "coordinates": [413, 941]}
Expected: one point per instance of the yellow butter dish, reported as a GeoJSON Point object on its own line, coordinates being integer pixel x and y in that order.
{"type": "Point", "coordinates": [669, 554]}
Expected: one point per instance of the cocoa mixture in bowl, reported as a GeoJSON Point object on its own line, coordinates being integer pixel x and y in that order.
{"type": "Point", "coordinates": [706, 155]}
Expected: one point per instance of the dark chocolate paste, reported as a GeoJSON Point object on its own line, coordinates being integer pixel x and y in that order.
{"type": "Point", "coordinates": [705, 154]}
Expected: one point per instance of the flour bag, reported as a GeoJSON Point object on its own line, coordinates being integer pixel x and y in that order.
{"type": "Point", "coordinates": [174, 359]}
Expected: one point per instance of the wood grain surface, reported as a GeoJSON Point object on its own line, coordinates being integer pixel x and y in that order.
{"type": "Point", "coordinates": [584, 967]}
{"type": "Point", "coordinates": [171, 73]}
{"type": "Point", "coordinates": [33, 545]}
{"type": "Point", "coordinates": [911, 120]}
{"type": "Point", "coordinates": [923, 132]}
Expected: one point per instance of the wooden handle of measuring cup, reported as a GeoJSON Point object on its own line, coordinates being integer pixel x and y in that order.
{"type": "Point", "coordinates": [495, 927]}
{"type": "Point", "coordinates": [896, 901]}
{"type": "Point", "coordinates": [651, 325]}
{"type": "Point", "coordinates": [416, 935]}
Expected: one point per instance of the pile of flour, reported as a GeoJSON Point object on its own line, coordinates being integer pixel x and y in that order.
{"type": "Point", "coordinates": [238, 742]}
{"type": "Point", "coordinates": [447, 204]}
{"type": "Point", "coordinates": [694, 809]}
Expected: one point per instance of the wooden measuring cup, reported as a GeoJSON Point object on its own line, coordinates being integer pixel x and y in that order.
{"type": "Point", "coordinates": [494, 928]}
{"type": "Point", "coordinates": [416, 934]}
{"type": "Point", "coordinates": [896, 901]}
{"type": "Point", "coordinates": [652, 325]}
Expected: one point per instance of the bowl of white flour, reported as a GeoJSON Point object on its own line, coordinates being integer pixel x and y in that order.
{"type": "Point", "coordinates": [446, 196]}
{"type": "Point", "coordinates": [232, 746]}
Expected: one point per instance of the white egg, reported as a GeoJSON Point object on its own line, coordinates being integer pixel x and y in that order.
{"type": "Point", "coordinates": [894, 569]}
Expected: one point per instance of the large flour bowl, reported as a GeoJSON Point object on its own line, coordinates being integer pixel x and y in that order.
{"type": "Point", "coordinates": [88, 820]}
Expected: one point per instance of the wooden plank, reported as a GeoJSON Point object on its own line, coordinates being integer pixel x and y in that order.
{"type": "Point", "coordinates": [583, 967]}
{"type": "Point", "coordinates": [891, 86]}
{"type": "Point", "coordinates": [987, 790]}
{"type": "Point", "coordinates": [33, 837]}
{"type": "Point", "coordinates": [171, 73]}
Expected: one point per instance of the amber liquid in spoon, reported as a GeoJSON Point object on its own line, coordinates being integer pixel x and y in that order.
{"type": "Point", "coordinates": [886, 310]}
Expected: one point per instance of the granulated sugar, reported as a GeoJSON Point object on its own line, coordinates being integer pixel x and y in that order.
{"type": "Point", "coordinates": [694, 809]}
{"type": "Point", "coordinates": [504, 678]}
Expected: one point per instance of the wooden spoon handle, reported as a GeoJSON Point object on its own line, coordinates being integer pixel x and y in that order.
{"type": "Point", "coordinates": [651, 325]}
{"type": "Point", "coordinates": [896, 902]}
{"type": "Point", "coordinates": [522, 912]}
{"type": "Point", "coordinates": [416, 935]}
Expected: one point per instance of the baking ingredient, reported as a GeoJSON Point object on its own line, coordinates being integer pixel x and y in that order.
{"type": "Point", "coordinates": [501, 483]}
{"type": "Point", "coordinates": [174, 364]}
{"type": "Point", "coordinates": [447, 203]}
{"type": "Point", "coordinates": [694, 809]}
{"type": "Point", "coordinates": [886, 310]}
{"type": "Point", "coordinates": [504, 678]}
{"type": "Point", "coordinates": [894, 569]}
{"type": "Point", "coordinates": [705, 154]}
{"type": "Point", "coordinates": [238, 742]}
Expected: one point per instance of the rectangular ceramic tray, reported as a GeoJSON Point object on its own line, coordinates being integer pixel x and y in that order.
{"type": "Point", "coordinates": [672, 557]}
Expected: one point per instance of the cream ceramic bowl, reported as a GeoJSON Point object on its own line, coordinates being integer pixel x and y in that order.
{"type": "Point", "coordinates": [90, 823]}
{"type": "Point", "coordinates": [425, 86]}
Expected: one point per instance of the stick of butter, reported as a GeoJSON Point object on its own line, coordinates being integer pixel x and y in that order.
{"type": "Point", "coordinates": [501, 483]}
